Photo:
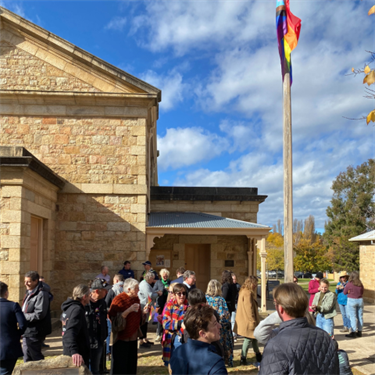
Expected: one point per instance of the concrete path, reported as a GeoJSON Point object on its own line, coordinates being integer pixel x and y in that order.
{"type": "Point", "coordinates": [361, 351]}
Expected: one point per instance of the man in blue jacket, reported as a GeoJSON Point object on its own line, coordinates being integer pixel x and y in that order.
{"type": "Point", "coordinates": [10, 346]}
{"type": "Point", "coordinates": [127, 272]}
{"type": "Point", "coordinates": [198, 356]}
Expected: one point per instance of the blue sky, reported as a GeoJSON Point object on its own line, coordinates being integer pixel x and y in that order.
{"type": "Point", "coordinates": [217, 65]}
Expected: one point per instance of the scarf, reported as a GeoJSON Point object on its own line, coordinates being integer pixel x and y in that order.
{"type": "Point", "coordinates": [165, 282]}
{"type": "Point", "coordinates": [121, 303]}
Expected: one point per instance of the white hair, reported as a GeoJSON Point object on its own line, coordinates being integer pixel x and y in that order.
{"type": "Point", "coordinates": [148, 276]}
{"type": "Point", "coordinates": [163, 271]}
{"type": "Point", "coordinates": [130, 284]}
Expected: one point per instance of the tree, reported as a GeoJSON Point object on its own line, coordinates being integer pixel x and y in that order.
{"type": "Point", "coordinates": [351, 213]}
{"type": "Point", "coordinates": [311, 255]}
{"type": "Point", "coordinates": [369, 78]}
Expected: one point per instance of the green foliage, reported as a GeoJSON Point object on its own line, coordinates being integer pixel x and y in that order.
{"type": "Point", "coordinates": [311, 255]}
{"type": "Point", "coordinates": [351, 213]}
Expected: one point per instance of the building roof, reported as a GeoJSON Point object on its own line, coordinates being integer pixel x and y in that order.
{"type": "Point", "coordinates": [197, 220]}
{"type": "Point", "coordinates": [202, 193]}
{"type": "Point", "coordinates": [364, 237]}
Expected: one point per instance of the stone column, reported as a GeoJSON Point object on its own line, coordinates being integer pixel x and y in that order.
{"type": "Point", "coordinates": [263, 256]}
{"type": "Point", "coordinates": [250, 256]}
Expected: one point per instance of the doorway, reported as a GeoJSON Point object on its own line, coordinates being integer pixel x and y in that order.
{"type": "Point", "coordinates": [36, 245]}
{"type": "Point", "coordinates": [198, 259]}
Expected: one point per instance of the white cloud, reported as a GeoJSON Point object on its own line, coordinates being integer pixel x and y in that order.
{"type": "Point", "coordinates": [184, 147]}
{"type": "Point", "coordinates": [116, 23]}
{"type": "Point", "coordinates": [236, 41]}
{"type": "Point", "coordinates": [172, 86]}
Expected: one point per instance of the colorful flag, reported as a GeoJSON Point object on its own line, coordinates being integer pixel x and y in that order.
{"type": "Point", "coordinates": [288, 27]}
{"type": "Point", "coordinates": [149, 301]}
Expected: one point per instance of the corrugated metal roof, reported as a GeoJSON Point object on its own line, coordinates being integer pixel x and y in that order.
{"type": "Point", "coordinates": [196, 220]}
{"type": "Point", "coordinates": [364, 237]}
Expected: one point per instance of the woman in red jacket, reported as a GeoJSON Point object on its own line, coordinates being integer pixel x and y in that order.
{"type": "Point", "coordinates": [314, 286]}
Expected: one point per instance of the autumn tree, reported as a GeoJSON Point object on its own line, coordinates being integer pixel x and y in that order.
{"type": "Point", "coordinates": [351, 213]}
{"type": "Point", "coordinates": [311, 255]}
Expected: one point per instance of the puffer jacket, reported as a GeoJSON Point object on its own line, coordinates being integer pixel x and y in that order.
{"type": "Point", "coordinates": [300, 349]}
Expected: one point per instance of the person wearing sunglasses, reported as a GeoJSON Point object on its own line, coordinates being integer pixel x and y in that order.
{"type": "Point", "coordinates": [173, 317]}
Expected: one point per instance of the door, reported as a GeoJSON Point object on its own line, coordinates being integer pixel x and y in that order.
{"type": "Point", "coordinates": [36, 245]}
{"type": "Point", "coordinates": [198, 259]}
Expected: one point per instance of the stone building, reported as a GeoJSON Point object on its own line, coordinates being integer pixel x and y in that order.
{"type": "Point", "coordinates": [78, 174]}
{"type": "Point", "coordinates": [366, 243]}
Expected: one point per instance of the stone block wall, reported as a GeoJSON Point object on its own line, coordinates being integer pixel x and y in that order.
{"type": "Point", "coordinates": [90, 150]}
{"type": "Point", "coordinates": [367, 270]}
{"type": "Point", "coordinates": [95, 230]}
{"type": "Point", "coordinates": [222, 248]}
{"type": "Point", "coordinates": [246, 211]}
{"type": "Point", "coordinates": [23, 194]}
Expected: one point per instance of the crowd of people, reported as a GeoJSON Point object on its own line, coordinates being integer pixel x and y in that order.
{"type": "Point", "coordinates": [197, 330]}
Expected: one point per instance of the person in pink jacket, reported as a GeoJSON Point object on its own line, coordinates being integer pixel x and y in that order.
{"type": "Point", "coordinates": [314, 288]}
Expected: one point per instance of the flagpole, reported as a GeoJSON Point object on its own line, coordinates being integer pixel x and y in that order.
{"type": "Point", "coordinates": [288, 180]}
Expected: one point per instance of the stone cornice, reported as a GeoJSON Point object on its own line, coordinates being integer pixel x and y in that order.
{"type": "Point", "coordinates": [47, 103]}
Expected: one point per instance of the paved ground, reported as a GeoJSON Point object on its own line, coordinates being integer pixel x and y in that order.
{"type": "Point", "coordinates": [361, 351]}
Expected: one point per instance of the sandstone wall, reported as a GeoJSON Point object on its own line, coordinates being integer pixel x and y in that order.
{"type": "Point", "coordinates": [222, 248]}
{"type": "Point", "coordinates": [83, 150]}
{"type": "Point", "coordinates": [95, 230]}
{"type": "Point", "coordinates": [367, 270]}
{"type": "Point", "coordinates": [23, 194]}
{"type": "Point", "coordinates": [246, 211]}
{"type": "Point", "coordinates": [20, 70]}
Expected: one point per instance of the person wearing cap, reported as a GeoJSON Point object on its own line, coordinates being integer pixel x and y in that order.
{"type": "Point", "coordinates": [96, 319]}
{"type": "Point", "coordinates": [127, 272]}
{"type": "Point", "coordinates": [314, 287]}
{"type": "Point", "coordinates": [148, 268]}
{"type": "Point", "coordinates": [342, 300]}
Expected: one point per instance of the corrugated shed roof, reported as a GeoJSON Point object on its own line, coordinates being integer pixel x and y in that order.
{"type": "Point", "coordinates": [196, 220]}
{"type": "Point", "coordinates": [364, 237]}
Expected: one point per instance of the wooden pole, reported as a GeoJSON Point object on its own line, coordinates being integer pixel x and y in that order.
{"type": "Point", "coordinates": [288, 181]}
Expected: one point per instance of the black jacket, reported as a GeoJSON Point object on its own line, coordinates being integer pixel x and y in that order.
{"type": "Point", "coordinates": [97, 327]}
{"type": "Point", "coordinates": [10, 315]}
{"type": "Point", "coordinates": [300, 349]}
{"type": "Point", "coordinates": [37, 312]}
{"type": "Point", "coordinates": [74, 330]}
{"type": "Point", "coordinates": [229, 292]}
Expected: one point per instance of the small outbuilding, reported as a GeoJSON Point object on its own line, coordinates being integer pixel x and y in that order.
{"type": "Point", "coordinates": [367, 263]}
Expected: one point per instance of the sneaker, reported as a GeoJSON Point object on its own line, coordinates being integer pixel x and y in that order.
{"type": "Point", "coordinates": [158, 338]}
{"type": "Point", "coordinates": [345, 329]}
{"type": "Point", "coordinates": [145, 345]}
{"type": "Point", "coordinates": [150, 342]}
{"type": "Point", "coordinates": [235, 339]}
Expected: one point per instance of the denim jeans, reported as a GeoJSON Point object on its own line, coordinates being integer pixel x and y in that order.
{"type": "Point", "coordinates": [355, 311]}
{"type": "Point", "coordinates": [233, 321]}
{"type": "Point", "coordinates": [109, 326]}
{"type": "Point", "coordinates": [345, 316]}
{"type": "Point", "coordinates": [325, 324]}
{"type": "Point", "coordinates": [95, 357]}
